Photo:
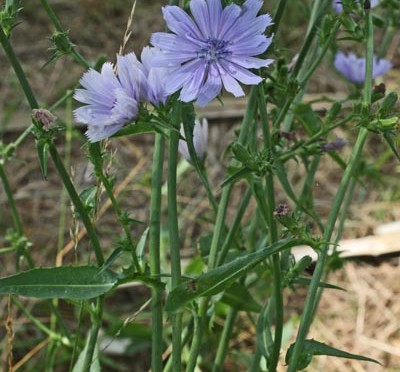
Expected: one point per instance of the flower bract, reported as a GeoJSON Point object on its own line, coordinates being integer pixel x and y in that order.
{"type": "Point", "coordinates": [200, 140]}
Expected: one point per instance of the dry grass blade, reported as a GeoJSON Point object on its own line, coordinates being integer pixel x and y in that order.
{"type": "Point", "coordinates": [33, 352]}
{"type": "Point", "coordinates": [10, 337]}
{"type": "Point", "coordinates": [128, 30]}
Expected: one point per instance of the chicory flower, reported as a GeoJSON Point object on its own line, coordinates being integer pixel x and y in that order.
{"type": "Point", "coordinates": [214, 49]}
{"type": "Point", "coordinates": [338, 7]}
{"type": "Point", "coordinates": [111, 101]}
{"type": "Point", "coordinates": [353, 67]}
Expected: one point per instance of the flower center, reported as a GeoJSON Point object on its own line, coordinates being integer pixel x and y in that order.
{"type": "Point", "coordinates": [213, 50]}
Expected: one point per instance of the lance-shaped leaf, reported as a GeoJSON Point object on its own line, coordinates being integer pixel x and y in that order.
{"type": "Point", "coordinates": [312, 347]}
{"type": "Point", "coordinates": [216, 280]}
{"type": "Point", "coordinates": [71, 282]}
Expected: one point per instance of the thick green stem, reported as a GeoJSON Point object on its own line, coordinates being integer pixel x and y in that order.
{"type": "Point", "coordinates": [176, 275]}
{"type": "Point", "coordinates": [154, 253]}
{"type": "Point", "coordinates": [311, 305]}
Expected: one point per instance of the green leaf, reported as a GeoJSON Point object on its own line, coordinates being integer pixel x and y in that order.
{"type": "Point", "coordinates": [241, 173]}
{"type": "Point", "coordinates": [70, 282]}
{"type": "Point", "coordinates": [239, 297]}
{"type": "Point", "coordinates": [308, 118]}
{"type": "Point", "coordinates": [42, 148]}
{"type": "Point", "coordinates": [312, 347]}
{"type": "Point", "coordinates": [389, 139]}
{"type": "Point", "coordinates": [95, 365]}
{"type": "Point", "coordinates": [135, 128]}
{"type": "Point", "coordinates": [216, 280]}
{"type": "Point", "coordinates": [307, 281]}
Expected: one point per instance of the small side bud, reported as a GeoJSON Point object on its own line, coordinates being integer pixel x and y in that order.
{"type": "Point", "coordinates": [44, 117]}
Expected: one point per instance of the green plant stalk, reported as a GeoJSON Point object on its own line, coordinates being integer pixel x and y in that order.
{"type": "Point", "coordinates": [15, 217]}
{"type": "Point", "coordinates": [311, 305]}
{"type": "Point", "coordinates": [13, 208]}
{"type": "Point", "coordinates": [96, 319]}
{"type": "Point", "coordinates": [95, 147]}
{"type": "Point", "coordinates": [18, 70]}
{"type": "Point", "coordinates": [317, 14]}
{"type": "Point", "coordinates": [77, 203]}
{"type": "Point", "coordinates": [219, 226]}
{"type": "Point", "coordinates": [39, 324]}
{"type": "Point", "coordinates": [52, 149]}
{"type": "Point", "coordinates": [267, 210]}
{"type": "Point", "coordinates": [387, 38]}
{"type": "Point", "coordinates": [234, 228]}
{"type": "Point", "coordinates": [307, 75]}
{"type": "Point", "coordinates": [154, 253]}
{"type": "Point", "coordinates": [224, 340]}
{"type": "Point", "coordinates": [267, 214]}
{"type": "Point", "coordinates": [56, 22]}
{"type": "Point", "coordinates": [173, 228]}
{"type": "Point", "coordinates": [278, 15]}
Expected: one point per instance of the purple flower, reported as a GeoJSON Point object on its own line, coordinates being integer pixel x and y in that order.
{"type": "Point", "coordinates": [214, 49]}
{"type": "Point", "coordinates": [353, 68]}
{"type": "Point", "coordinates": [338, 7]}
{"type": "Point", "coordinates": [200, 139]}
{"type": "Point", "coordinates": [156, 92]}
{"type": "Point", "coordinates": [111, 101]}
{"type": "Point", "coordinates": [335, 145]}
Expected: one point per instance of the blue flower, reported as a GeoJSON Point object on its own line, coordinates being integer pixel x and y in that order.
{"type": "Point", "coordinates": [353, 67]}
{"type": "Point", "coordinates": [338, 7]}
{"type": "Point", "coordinates": [156, 93]}
{"type": "Point", "coordinates": [111, 101]}
{"type": "Point", "coordinates": [214, 49]}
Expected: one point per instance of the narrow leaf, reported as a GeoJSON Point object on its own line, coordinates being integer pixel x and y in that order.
{"type": "Point", "coordinates": [241, 173]}
{"type": "Point", "coordinates": [95, 365]}
{"type": "Point", "coordinates": [216, 280]}
{"type": "Point", "coordinates": [239, 297]}
{"type": "Point", "coordinates": [312, 347]}
{"type": "Point", "coordinates": [307, 281]}
{"type": "Point", "coordinates": [42, 148]}
{"type": "Point", "coordinates": [72, 282]}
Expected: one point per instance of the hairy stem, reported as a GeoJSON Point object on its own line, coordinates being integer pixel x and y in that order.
{"type": "Point", "coordinates": [154, 253]}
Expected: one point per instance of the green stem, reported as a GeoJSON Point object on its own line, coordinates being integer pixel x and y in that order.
{"type": "Point", "coordinates": [224, 340]}
{"type": "Point", "coordinates": [176, 275]}
{"type": "Point", "coordinates": [11, 202]}
{"type": "Point", "coordinates": [234, 228]}
{"type": "Point", "coordinates": [39, 324]}
{"type": "Point", "coordinates": [311, 305]}
{"type": "Point", "coordinates": [57, 24]}
{"type": "Point", "coordinates": [273, 232]}
{"type": "Point", "coordinates": [98, 160]}
{"type": "Point", "coordinates": [219, 226]}
{"type": "Point", "coordinates": [278, 15]}
{"type": "Point", "coordinates": [94, 332]}
{"type": "Point", "coordinates": [52, 149]}
{"type": "Point", "coordinates": [154, 253]}
{"type": "Point", "coordinates": [77, 203]}
{"type": "Point", "coordinates": [18, 70]}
